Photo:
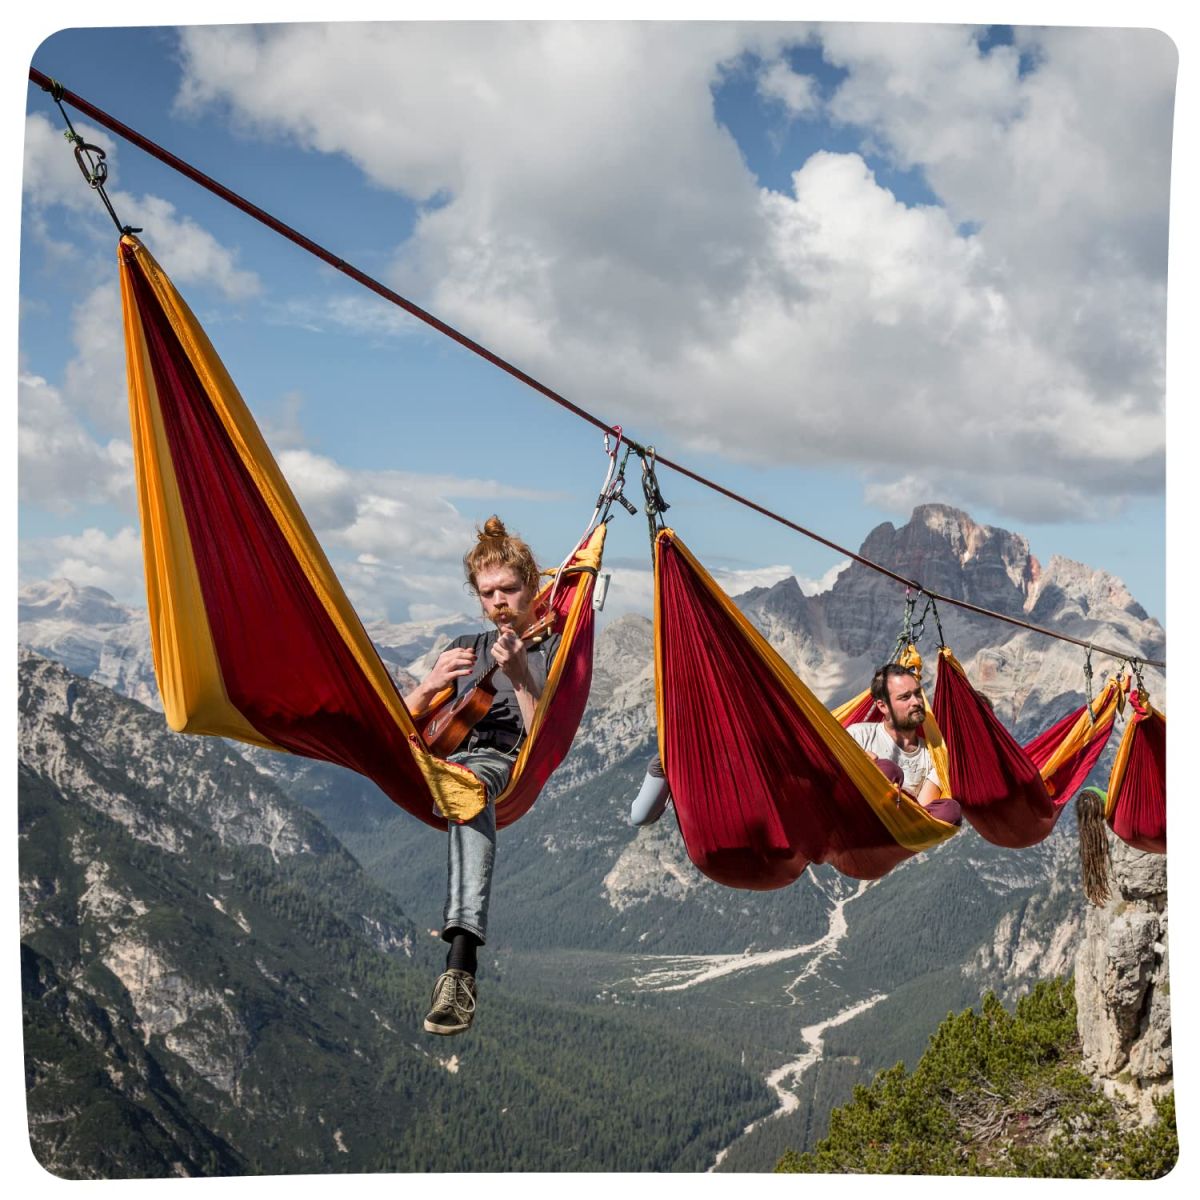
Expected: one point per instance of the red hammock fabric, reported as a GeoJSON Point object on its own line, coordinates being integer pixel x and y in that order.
{"type": "Point", "coordinates": [1138, 802]}
{"type": "Point", "coordinates": [758, 793]}
{"type": "Point", "coordinates": [997, 782]}
{"type": "Point", "coordinates": [864, 710]}
{"type": "Point", "coordinates": [1071, 774]}
{"type": "Point", "coordinates": [284, 665]}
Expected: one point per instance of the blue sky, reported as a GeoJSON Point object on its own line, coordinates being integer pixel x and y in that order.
{"type": "Point", "coordinates": [841, 269]}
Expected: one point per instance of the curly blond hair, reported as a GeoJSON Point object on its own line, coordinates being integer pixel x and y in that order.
{"type": "Point", "coordinates": [496, 547]}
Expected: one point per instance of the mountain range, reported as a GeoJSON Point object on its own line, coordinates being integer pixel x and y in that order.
{"type": "Point", "coordinates": [608, 950]}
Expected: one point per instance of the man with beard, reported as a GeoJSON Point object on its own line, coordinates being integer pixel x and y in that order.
{"type": "Point", "coordinates": [895, 744]}
{"type": "Point", "coordinates": [502, 572]}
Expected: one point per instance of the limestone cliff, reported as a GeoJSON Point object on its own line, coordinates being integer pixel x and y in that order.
{"type": "Point", "coordinates": [1122, 982]}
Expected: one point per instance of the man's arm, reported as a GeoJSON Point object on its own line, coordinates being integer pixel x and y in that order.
{"type": "Point", "coordinates": [930, 791]}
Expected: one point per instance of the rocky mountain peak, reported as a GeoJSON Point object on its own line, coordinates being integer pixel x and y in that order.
{"type": "Point", "coordinates": [1092, 589]}
{"type": "Point", "coordinates": [783, 599]}
{"type": "Point", "coordinates": [943, 549]}
{"type": "Point", "coordinates": [62, 600]}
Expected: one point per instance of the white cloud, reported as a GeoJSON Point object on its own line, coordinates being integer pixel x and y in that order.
{"type": "Point", "coordinates": [60, 464]}
{"type": "Point", "coordinates": [94, 379]}
{"type": "Point", "coordinates": [189, 254]}
{"type": "Point", "coordinates": [1065, 168]}
{"type": "Point", "coordinates": [410, 590]}
{"type": "Point", "coordinates": [797, 93]}
{"type": "Point", "coordinates": [283, 429]}
{"type": "Point", "coordinates": [388, 515]}
{"type": "Point", "coordinates": [593, 221]}
{"type": "Point", "coordinates": [736, 580]}
{"type": "Point", "coordinates": [93, 558]}
{"type": "Point", "coordinates": [569, 155]}
{"type": "Point", "coordinates": [1042, 499]}
{"type": "Point", "coordinates": [814, 587]}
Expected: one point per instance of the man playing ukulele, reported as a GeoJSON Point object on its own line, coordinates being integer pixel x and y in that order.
{"type": "Point", "coordinates": [502, 572]}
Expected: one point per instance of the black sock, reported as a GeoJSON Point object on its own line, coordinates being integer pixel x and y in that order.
{"type": "Point", "coordinates": [462, 955]}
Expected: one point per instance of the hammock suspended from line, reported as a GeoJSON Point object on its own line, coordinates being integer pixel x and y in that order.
{"type": "Point", "coordinates": [1136, 806]}
{"type": "Point", "coordinates": [764, 778]}
{"type": "Point", "coordinates": [253, 636]}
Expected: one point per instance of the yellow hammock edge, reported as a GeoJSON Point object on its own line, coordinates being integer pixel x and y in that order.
{"type": "Point", "coordinates": [185, 659]}
{"type": "Point", "coordinates": [1121, 762]}
{"type": "Point", "coordinates": [1103, 712]}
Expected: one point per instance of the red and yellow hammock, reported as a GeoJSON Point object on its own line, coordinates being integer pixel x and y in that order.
{"type": "Point", "coordinates": [253, 636]}
{"type": "Point", "coordinates": [1136, 805]}
{"type": "Point", "coordinates": [766, 780]}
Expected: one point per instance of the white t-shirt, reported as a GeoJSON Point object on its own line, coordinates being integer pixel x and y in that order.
{"type": "Point", "coordinates": [917, 765]}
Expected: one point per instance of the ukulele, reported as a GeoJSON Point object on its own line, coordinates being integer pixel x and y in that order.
{"type": "Point", "coordinates": [447, 728]}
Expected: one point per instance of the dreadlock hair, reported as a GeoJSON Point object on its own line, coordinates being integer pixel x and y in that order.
{"type": "Point", "coordinates": [879, 681]}
{"type": "Point", "coordinates": [496, 547]}
{"type": "Point", "coordinates": [1093, 845]}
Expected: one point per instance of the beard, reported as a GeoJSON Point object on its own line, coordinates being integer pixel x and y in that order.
{"type": "Point", "coordinates": [906, 722]}
{"type": "Point", "coordinates": [505, 616]}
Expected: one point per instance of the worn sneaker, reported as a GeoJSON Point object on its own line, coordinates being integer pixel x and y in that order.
{"type": "Point", "coordinates": [452, 1007]}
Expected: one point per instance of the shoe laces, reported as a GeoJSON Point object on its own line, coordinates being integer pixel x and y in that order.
{"type": "Point", "coordinates": [452, 991]}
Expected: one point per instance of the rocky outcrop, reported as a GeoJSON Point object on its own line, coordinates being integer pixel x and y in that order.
{"type": "Point", "coordinates": [653, 865]}
{"type": "Point", "coordinates": [1122, 982]}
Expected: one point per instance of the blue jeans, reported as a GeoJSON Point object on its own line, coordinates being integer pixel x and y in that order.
{"type": "Point", "coordinates": [471, 852]}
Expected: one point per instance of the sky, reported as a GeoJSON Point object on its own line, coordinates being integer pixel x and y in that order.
{"type": "Point", "coordinates": [841, 269]}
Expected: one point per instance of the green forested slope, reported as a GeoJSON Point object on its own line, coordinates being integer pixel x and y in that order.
{"type": "Point", "coordinates": [996, 1093]}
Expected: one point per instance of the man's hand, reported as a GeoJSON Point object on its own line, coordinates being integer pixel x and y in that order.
{"type": "Point", "coordinates": [451, 664]}
{"type": "Point", "coordinates": [509, 652]}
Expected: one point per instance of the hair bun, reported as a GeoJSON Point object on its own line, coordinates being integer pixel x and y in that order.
{"type": "Point", "coordinates": [495, 546]}
{"type": "Point", "coordinates": [493, 528]}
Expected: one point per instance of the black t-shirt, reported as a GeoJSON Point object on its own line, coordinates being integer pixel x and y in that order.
{"type": "Point", "coordinates": [501, 726]}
